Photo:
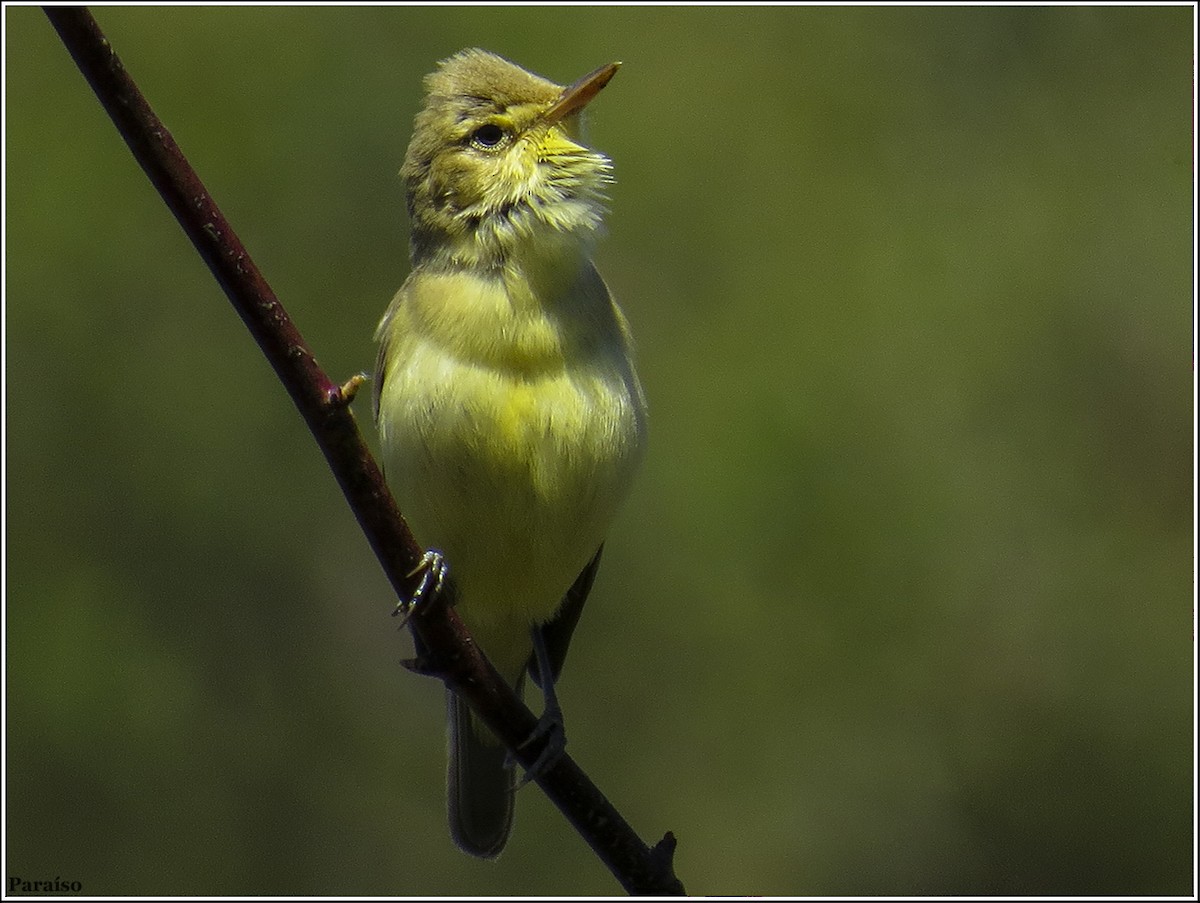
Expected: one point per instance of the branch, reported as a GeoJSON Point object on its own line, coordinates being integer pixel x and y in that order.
{"type": "Point", "coordinates": [325, 407]}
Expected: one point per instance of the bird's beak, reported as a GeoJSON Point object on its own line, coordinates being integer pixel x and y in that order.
{"type": "Point", "coordinates": [577, 96]}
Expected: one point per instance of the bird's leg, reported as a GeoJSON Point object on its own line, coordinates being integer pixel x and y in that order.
{"type": "Point", "coordinates": [550, 725]}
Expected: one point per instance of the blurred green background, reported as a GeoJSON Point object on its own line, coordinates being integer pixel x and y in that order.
{"type": "Point", "coordinates": [902, 602]}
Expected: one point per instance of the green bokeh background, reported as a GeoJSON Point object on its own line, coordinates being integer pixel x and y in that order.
{"type": "Point", "coordinates": [902, 602]}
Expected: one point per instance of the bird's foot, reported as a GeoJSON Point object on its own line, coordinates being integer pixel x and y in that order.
{"type": "Point", "coordinates": [432, 569]}
{"type": "Point", "coordinates": [551, 731]}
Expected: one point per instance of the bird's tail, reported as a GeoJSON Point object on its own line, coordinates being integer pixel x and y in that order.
{"type": "Point", "coordinates": [479, 785]}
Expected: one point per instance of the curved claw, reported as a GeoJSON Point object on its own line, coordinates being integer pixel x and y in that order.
{"type": "Point", "coordinates": [433, 569]}
{"type": "Point", "coordinates": [550, 726]}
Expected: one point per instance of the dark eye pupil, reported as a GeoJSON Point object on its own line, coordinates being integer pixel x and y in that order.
{"type": "Point", "coordinates": [488, 135]}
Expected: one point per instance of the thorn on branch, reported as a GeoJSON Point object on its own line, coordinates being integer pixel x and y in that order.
{"type": "Point", "coordinates": [346, 391]}
{"type": "Point", "coordinates": [662, 856]}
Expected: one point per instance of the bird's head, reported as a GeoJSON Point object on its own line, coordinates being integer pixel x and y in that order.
{"type": "Point", "coordinates": [496, 160]}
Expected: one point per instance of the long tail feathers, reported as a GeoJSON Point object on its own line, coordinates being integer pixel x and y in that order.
{"type": "Point", "coordinates": [479, 785]}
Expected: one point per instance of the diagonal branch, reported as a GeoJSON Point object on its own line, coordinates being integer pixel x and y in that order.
{"type": "Point", "coordinates": [325, 407]}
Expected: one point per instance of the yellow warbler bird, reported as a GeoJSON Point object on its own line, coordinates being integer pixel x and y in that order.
{"type": "Point", "coordinates": [509, 411]}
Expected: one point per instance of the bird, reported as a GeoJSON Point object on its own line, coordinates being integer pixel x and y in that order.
{"type": "Point", "coordinates": [510, 414]}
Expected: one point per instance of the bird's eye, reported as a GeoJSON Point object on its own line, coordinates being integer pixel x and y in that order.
{"type": "Point", "coordinates": [488, 136]}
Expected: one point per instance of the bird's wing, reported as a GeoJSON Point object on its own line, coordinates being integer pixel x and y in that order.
{"type": "Point", "coordinates": [557, 631]}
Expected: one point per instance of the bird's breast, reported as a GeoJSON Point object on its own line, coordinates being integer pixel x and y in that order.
{"type": "Point", "coordinates": [511, 433]}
